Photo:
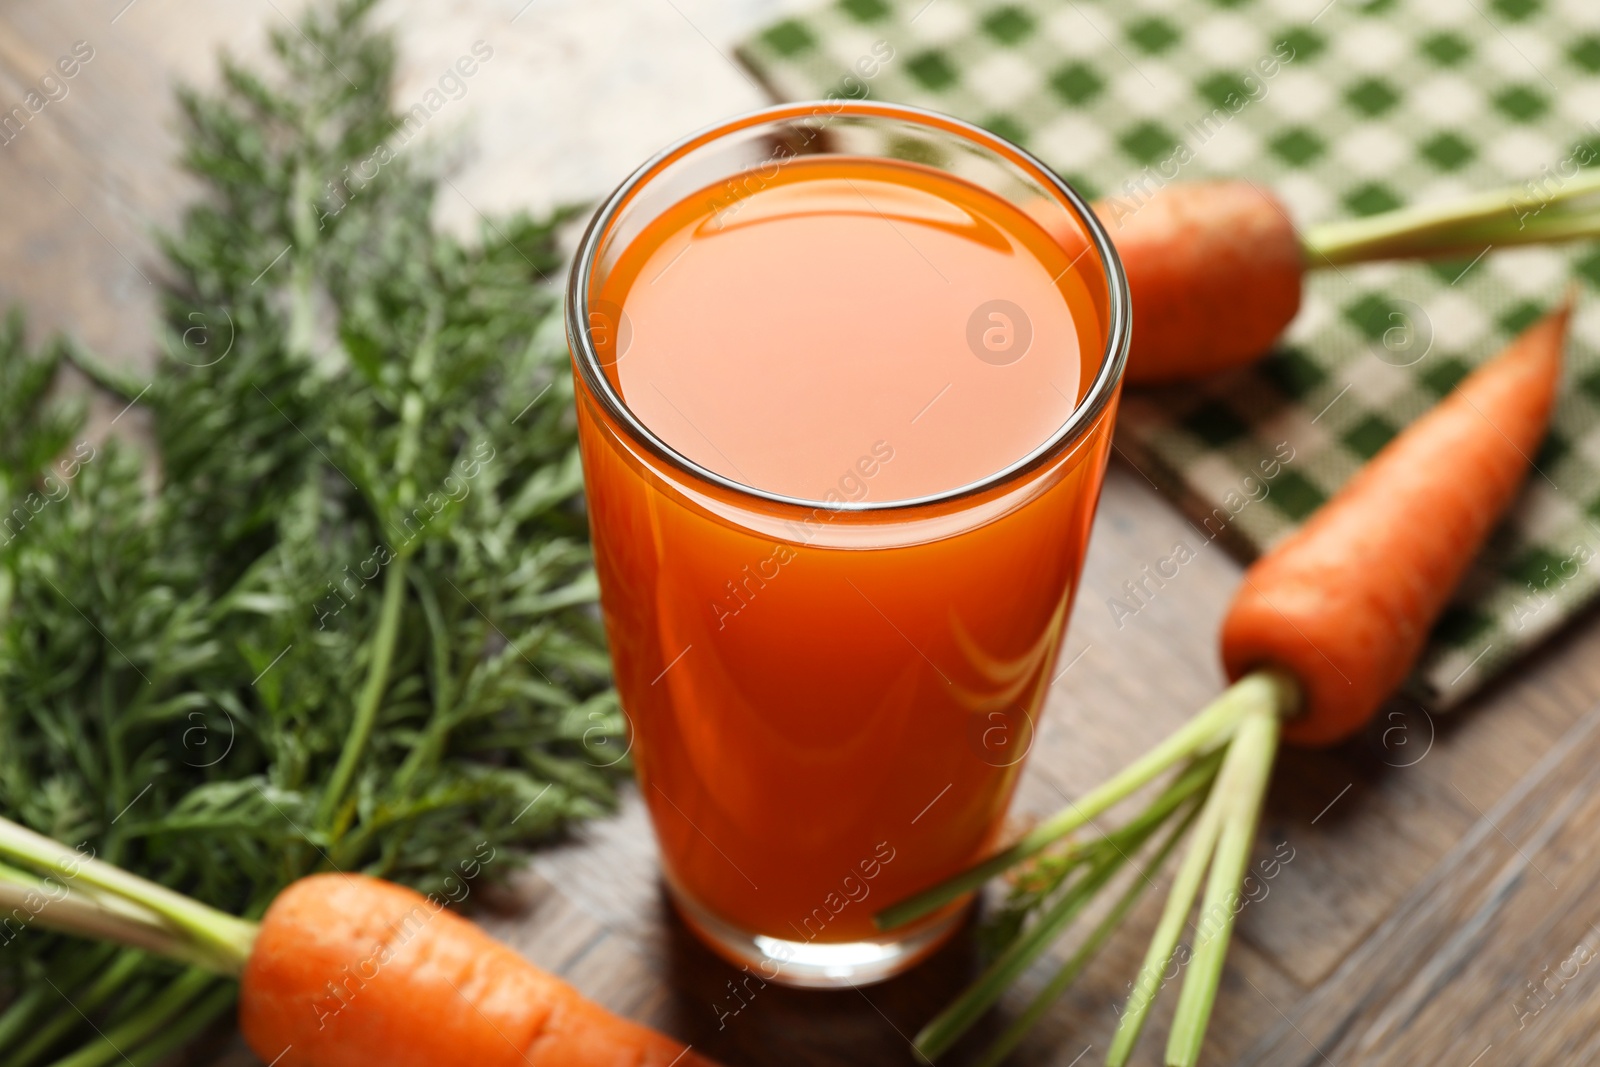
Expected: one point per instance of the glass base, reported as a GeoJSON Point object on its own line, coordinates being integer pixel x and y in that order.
{"type": "Point", "coordinates": [814, 964]}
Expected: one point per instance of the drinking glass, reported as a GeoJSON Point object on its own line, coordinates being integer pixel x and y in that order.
{"type": "Point", "coordinates": [830, 700]}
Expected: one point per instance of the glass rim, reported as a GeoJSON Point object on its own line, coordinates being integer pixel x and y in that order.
{"type": "Point", "coordinates": [1112, 362]}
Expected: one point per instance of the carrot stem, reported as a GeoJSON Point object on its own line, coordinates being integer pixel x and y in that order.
{"type": "Point", "coordinates": [1147, 981]}
{"type": "Point", "coordinates": [183, 1026]}
{"type": "Point", "coordinates": [21, 1015]}
{"type": "Point", "coordinates": [943, 1031]}
{"type": "Point", "coordinates": [1507, 216]}
{"type": "Point", "coordinates": [102, 901]}
{"type": "Point", "coordinates": [1091, 946]}
{"type": "Point", "coordinates": [1254, 746]}
{"type": "Point", "coordinates": [161, 1012]}
{"type": "Point", "coordinates": [111, 981]}
{"type": "Point", "coordinates": [1102, 858]}
{"type": "Point", "coordinates": [1208, 729]}
{"type": "Point", "coordinates": [366, 714]}
{"type": "Point", "coordinates": [18, 1016]}
{"type": "Point", "coordinates": [55, 905]}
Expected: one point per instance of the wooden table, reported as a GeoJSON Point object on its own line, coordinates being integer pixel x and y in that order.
{"type": "Point", "coordinates": [1440, 900]}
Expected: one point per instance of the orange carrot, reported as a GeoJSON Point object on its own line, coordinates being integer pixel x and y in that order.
{"type": "Point", "coordinates": [1325, 626]}
{"type": "Point", "coordinates": [343, 970]}
{"type": "Point", "coordinates": [1214, 271]}
{"type": "Point", "coordinates": [1346, 602]}
{"type": "Point", "coordinates": [350, 970]}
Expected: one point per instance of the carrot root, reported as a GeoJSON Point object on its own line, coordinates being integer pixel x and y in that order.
{"type": "Point", "coordinates": [1214, 272]}
{"type": "Point", "coordinates": [351, 970]}
{"type": "Point", "coordinates": [1345, 603]}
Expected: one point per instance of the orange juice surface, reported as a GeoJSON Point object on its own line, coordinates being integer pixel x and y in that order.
{"type": "Point", "coordinates": [829, 706]}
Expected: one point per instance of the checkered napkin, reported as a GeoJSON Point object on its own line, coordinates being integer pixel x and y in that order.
{"type": "Point", "coordinates": [1369, 104]}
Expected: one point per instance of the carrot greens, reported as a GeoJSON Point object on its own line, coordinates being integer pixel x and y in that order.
{"type": "Point", "coordinates": [336, 612]}
{"type": "Point", "coordinates": [1217, 764]}
{"type": "Point", "coordinates": [1534, 213]}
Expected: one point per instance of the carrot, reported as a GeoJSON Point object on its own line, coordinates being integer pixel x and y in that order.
{"type": "Point", "coordinates": [1323, 629]}
{"type": "Point", "coordinates": [1214, 272]}
{"type": "Point", "coordinates": [352, 970]}
{"type": "Point", "coordinates": [1346, 602]}
{"type": "Point", "coordinates": [1216, 269]}
{"type": "Point", "coordinates": [342, 971]}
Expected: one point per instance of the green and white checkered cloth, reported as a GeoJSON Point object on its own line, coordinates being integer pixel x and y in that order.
{"type": "Point", "coordinates": [1384, 102]}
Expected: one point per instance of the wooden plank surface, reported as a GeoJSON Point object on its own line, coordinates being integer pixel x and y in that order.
{"type": "Point", "coordinates": [1416, 908]}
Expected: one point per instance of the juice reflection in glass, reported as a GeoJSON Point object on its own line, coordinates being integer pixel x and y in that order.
{"type": "Point", "coordinates": [844, 408]}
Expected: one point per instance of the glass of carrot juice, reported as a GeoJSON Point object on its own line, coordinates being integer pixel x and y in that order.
{"type": "Point", "coordinates": [846, 374]}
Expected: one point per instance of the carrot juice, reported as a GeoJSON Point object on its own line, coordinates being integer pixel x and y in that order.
{"type": "Point", "coordinates": [838, 521]}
